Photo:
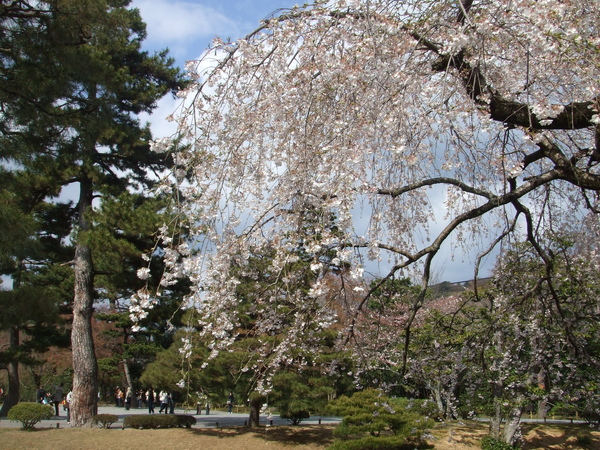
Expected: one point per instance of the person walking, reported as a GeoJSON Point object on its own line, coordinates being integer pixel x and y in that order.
{"type": "Point", "coordinates": [121, 397]}
{"type": "Point", "coordinates": [164, 401]}
{"type": "Point", "coordinates": [128, 398]}
{"type": "Point", "coordinates": [150, 400]}
{"type": "Point", "coordinates": [117, 396]}
{"type": "Point", "coordinates": [69, 398]}
{"type": "Point", "coordinates": [57, 396]}
{"type": "Point", "coordinates": [140, 398]}
{"type": "Point", "coordinates": [171, 399]}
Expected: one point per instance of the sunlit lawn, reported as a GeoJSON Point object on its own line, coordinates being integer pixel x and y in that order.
{"type": "Point", "coordinates": [456, 435]}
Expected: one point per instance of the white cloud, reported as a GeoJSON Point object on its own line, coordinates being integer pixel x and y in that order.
{"type": "Point", "coordinates": [159, 124]}
{"type": "Point", "coordinates": [183, 25]}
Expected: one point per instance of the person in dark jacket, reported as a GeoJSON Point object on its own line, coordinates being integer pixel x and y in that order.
{"type": "Point", "coordinates": [150, 400]}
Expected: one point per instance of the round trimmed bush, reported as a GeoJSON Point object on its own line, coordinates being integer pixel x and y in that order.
{"type": "Point", "coordinates": [105, 420]}
{"type": "Point", "coordinates": [30, 413]}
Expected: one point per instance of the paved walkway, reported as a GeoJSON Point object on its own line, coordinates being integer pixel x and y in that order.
{"type": "Point", "coordinates": [213, 420]}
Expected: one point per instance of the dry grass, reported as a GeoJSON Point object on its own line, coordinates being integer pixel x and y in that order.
{"type": "Point", "coordinates": [455, 436]}
{"type": "Point", "coordinates": [309, 438]}
{"type": "Point", "coordinates": [467, 436]}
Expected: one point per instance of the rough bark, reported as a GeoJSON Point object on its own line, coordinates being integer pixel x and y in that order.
{"type": "Point", "coordinates": [542, 405]}
{"type": "Point", "coordinates": [512, 425]}
{"type": "Point", "coordinates": [436, 392]}
{"type": "Point", "coordinates": [85, 368]}
{"type": "Point", "coordinates": [254, 419]}
{"type": "Point", "coordinates": [127, 373]}
{"type": "Point", "coordinates": [12, 397]}
{"type": "Point", "coordinates": [496, 419]}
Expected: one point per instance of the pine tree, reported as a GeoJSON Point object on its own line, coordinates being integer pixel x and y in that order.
{"type": "Point", "coordinates": [73, 79]}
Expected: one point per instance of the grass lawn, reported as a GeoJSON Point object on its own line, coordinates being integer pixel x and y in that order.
{"type": "Point", "coordinates": [456, 436]}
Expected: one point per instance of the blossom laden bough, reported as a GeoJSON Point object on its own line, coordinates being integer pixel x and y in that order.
{"type": "Point", "coordinates": [325, 129]}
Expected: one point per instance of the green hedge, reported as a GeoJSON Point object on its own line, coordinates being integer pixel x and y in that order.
{"type": "Point", "coordinates": [148, 421]}
{"type": "Point", "coordinates": [30, 413]}
{"type": "Point", "coordinates": [105, 420]}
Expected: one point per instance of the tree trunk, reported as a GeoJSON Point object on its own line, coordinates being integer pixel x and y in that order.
{"type": "Point", "coordinates": [436, 392]}
{"type": "Point", "coordinates": [542, 405]}
{"type": "Point", "coordinates": [12, 398]}
{"type": "Point", "coordinates": [255, 404]}
{"type": "Point", "coordinates": [542, 408]}
{"type": "Point", "coordinates": [125, 362]}
{"type": "Point", "coordinates": [496, 419]}
{"type": "Point", "coordinates": [85, 367]}
{"type": "Point", "coordinates": [127, 373]}
{"type": "Point", "coordinates": [512, 425]}
{"type": "Point", "coordinates": [495, 422]}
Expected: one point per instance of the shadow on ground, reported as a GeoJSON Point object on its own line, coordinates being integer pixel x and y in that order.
{"type": "Point", "coordinates": [284, 435]}
{"type": "Point", "coordinates": [540, 436]}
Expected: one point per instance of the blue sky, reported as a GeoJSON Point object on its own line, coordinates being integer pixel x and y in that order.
{"type": "Point", "coordinates": [186, 27]}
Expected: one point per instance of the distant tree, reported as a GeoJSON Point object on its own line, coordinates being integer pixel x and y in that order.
{"type": "Point", "coordinates": [17, 226]}
{"type": "Point", "coordinates": [382, 331]}
{"type": "Point", "coordinates": [530, 338]}
{"type": "Point", "coordinates": [304, 390]}
{"type": "Point", "coordinates": [124, 233]}
{"type": "Point", "coordinates": [259, 365]}
{"type": "Point", "coordinates": [33, 238]}
{"type": "Point", "coordinates": [552, 294]}
{"type": "Point", "coordinates": [30, 316]}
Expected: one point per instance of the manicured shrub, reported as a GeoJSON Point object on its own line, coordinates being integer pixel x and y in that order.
{"type": "Point", "coordinates": [380, 443]}
{"type": "Point", "coordinates": [30, 413]}
{"type": "Point", "coordinates": [371, 420]}
{"type": "Point", "coordinates": [105, 420]}
{"type": "Point", "coordinates": [489, 443]}
{"type": "Point", "coordinates": [295, 417]}
{"type": "Point", "coordinates": [147, 421]}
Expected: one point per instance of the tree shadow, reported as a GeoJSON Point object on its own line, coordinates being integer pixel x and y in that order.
{"type": "Point", "coordinates": [290, 435]}
{"type": "Point", "coordinates": [468, 434]}
{"type": "Point", "coordinates": [540, 436]}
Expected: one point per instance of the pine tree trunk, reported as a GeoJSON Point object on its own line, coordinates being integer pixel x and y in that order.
{"type": "Point", "coordinates": [127, 374]}
{"type": "Point", "coordinates": [12, 398]}
{"type": "Point", "coordinates": [85, 368]}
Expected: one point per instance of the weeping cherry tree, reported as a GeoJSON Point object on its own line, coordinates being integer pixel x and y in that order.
{"type": "Point", "coordinates": [396, 129]}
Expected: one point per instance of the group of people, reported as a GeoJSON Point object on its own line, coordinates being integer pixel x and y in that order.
{"type": "Point", "coordinates": [55, 398]}
{"type": "Point", "coordinates": [164, 398]}
{"type": "Point", "coordinates": [150, 397]}
{"type": "Point", "coordinates": [124, 398]}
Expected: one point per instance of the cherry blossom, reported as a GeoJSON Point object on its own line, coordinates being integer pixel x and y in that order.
{"type": "Point", "coordinates": [337, 127]}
